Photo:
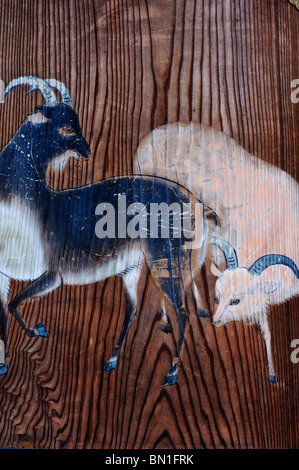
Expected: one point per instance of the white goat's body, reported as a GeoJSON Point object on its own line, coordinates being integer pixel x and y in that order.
{"type": "Point", "coordinates": [257, 203]}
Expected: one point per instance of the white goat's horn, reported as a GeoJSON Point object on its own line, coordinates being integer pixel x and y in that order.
{"type": "Point", "coordinates": [270, 260]}
{"type": "Point", "coordinates": [64, 92]}
{"type": "Point", "coordinates": [36, 84]}
{"type": "Point", "coordinates": [229, 252]}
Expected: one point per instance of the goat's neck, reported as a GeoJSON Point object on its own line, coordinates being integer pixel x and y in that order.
{"type": "Point", "coordinates": [21, 173]}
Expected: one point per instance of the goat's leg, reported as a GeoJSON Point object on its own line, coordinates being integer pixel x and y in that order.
{"type": "Point", "coordinates": [4, 292]}
{"type": "Point", "coordinates": [171, 377]}
{"type": "Point", "coordinates": [199, 311]}
{"type": "Point", "coordinates": [45, 284]}
{"type": "Point", "coordinates": [130, 279]}
{"type": "Point", "coordinates": [272, 377]}
{"type": "Point", "coordinates": [164, 324]}
{"type": "Point", "coordinates": [172, 289]}
{"type": "Point", "coordinates": [197, 260]}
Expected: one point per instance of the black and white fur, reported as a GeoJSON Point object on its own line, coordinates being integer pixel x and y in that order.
{"type": "Point", "coordinates": [49, 237]}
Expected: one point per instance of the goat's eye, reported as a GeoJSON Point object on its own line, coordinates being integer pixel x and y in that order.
{"type": "Point", "coordinates": [234, 302]}
{"type": "Point", "coordinates": [67, 131]}
{"type": "Point", "coordinates": [216, 300]}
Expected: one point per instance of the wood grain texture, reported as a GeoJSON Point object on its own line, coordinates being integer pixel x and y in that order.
{"type": "Point", "coordinates": [132, 65]}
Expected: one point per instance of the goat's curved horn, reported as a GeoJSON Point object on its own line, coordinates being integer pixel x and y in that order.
{"type": "Point", "coordinates": [36, 84]}
{"type": "Point", "coordinates": [229, 252]}
{"type": "Point", "coordinates": [270, 260]}
{"type": "Point", "coordinates": [64, 92]}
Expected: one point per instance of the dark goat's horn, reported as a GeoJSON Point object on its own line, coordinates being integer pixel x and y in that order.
{"type": "Point", "coordinates": [229, 252]}
{"type": "Point", "coordinates": [36, 84]}
{"type": "Point", "coordinates": [64, 92]}
{"type": "Point", "coordinates": [270, 260]}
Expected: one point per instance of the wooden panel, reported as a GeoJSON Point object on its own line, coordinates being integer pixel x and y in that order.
{"type": "Point", "coordinates": [131, 66]}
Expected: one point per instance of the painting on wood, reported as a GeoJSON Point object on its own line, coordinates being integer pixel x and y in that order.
{"type": "Point", "coordinates": [259, 213]}
{"type": "Point", "coordinates": [149, 204]}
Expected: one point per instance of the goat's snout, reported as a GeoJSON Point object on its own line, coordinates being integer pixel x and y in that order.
{"type": "Point", "coordinates": [86, 150]}
{"type": "Point", "coordinates": [217, 323]}
{"type": "Point", "coordinates": [217, 320]}
{"type": "Point", "coordinates": [82, 147]}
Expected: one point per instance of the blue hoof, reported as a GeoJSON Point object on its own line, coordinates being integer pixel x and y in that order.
{"type": "Point", "coordinates": [41, 330]}
{"type": "Point", "coordinates": [273, 379]}
{"type": "Point", "coordinates": [165, 328]}
{"type": "Point", "coordinates": [110, 365]}
{"type": "Point", "coordinates": [170, 380]}
{"type": "Point", "coordinates": [3, 369]}
{"type": "Point", "coordinates": [202, 313]}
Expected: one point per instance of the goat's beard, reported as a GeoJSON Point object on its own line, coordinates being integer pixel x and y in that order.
{"type": "Point", "coordinates": [59, 162]}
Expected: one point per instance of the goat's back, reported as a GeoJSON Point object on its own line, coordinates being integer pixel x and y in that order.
{"type": "Point", "coordinates": [258, 204]}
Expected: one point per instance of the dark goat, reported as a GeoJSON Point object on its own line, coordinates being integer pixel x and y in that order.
{"type": "Point", "coordinates": [54, 236]}
{"type": "Point", "coordinates": [49, 135]}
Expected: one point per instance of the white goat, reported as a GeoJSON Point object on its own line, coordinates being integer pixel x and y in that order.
{"type": "Point", "coordinates": [243, 294]}
{"type": "Point", "coordinates": [258, 206]}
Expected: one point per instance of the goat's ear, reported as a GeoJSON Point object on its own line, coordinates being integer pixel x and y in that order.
{"type": "Point", "coordinates": [264, 287]}
{"type": "Point", "coordinates": [214, 270]}
{"type": "Point", "coordinates": [37, 118]}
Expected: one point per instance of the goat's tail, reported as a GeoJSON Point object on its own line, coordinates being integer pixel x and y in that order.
{"type": "Point", "coordinates": [210, 215]}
